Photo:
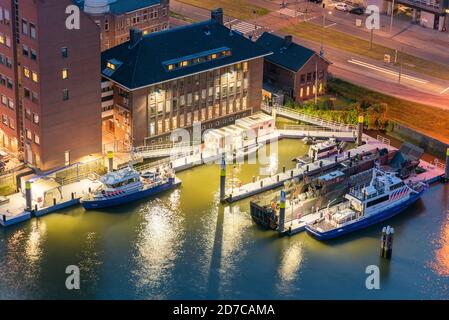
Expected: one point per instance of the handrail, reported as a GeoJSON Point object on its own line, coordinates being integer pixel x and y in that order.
{"type": "Point", "coordinates": [309, 118]}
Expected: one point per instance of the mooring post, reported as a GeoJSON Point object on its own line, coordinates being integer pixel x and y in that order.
{"type": "Point", "coordinates": [110, 161]}
{"type": "Point", "coordinates": [283, 168]}
{"type": "Point", "coordinates": [282, 211]}
{"type": "Point", "coordinates": [222, 179]}
{"type": "Point", "coordinates": [389, 248]}
{"type": "Point", "coordinates": [383, 242]}
{"type": "Point", "coordinates": [360, 130]}
{"type": "Point", "coordinates": [28, 197]}
{"type": "Point", "coordinates": [446, 171]}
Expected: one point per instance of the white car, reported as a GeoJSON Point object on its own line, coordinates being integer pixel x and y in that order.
{"type": "Point", "coordinates": [342, 6]}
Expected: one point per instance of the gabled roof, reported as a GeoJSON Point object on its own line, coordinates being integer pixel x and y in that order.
{"type": "Point", "coordinates": [148, 61]}
{"type": "Point", "coordinates": [294, 57]}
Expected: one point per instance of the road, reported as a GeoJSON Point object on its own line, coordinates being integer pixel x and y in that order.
{"type": "Point", "coordinates": [353, 68]}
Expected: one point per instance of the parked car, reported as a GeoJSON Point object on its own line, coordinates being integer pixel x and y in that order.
{"type": "Point", "coordinates": [341, 6]}
{"type": "Point", "coordinates": [357, 10]}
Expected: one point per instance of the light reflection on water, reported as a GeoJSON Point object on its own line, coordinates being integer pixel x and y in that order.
{"type": "Point", "coordinates": [184, 244]}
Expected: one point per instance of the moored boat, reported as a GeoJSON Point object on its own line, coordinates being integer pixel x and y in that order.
{"type": "Point", "coordinates": [126, 185]}
{"type": "Point", "coordinates": [384, 197]}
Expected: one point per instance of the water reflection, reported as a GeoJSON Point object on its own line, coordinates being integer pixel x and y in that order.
{"type": "Point", "coordinates": [441, 263]}
{"type": "Point", "coordinates": [289, 269]}
{"type": "Point", "coordinates": [159, 241]}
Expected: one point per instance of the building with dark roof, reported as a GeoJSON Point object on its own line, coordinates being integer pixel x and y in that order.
{"type": "Point", "coordinates": [116, 17]}
{"type": "Point", "coordinates": [292, 69]}
{"type": "Point", "coordinates": [202, 72]}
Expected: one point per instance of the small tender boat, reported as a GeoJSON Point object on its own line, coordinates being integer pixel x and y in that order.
{"type": "Point", "coordinates": [126, 185]}
{"type": "Point", "coordinates": [384, 197]}
{"type": "Point", "coordinates": [323, 149]}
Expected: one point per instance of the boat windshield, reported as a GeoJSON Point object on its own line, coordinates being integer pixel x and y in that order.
{"type": "Point", "coordinates": [122, 183]}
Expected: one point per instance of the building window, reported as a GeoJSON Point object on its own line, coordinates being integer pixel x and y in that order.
{"type": "Point", "coordinates": [4, 100]}
{"type": "Point", "coordinates": [5, 119]}
{"type": "Point", "coordinates": [32, 31]}
{"type": "Point", "coordinates": [26, 72]}
{"type": "Point", "coordinates": [11, 104]}
{"type": "Point", "coordinates": [35, 118]}
{"type": "Point", "coordinates": [12, 125]}
{"type": "Point", "coordinates": [24, 27]}
{"type": "Point", "coordinates": [67, 158]}
{"type": "Point", "coordinates": [110, 65]}
{"type": "Point", "coordinates": [28, 114]}
{"type": "Point", "coordinates": [65, 52]}
{"type": "Point", "coordinates": [34, 97]}
{"type": "Point", "coordinates": [26, 93]}
{"type": "Point", "coordinates": [25, 50]}
{"type": "Point", "coordinates": [28, 134]}
{"type": "Point", "coordinates": [37, 140]}
{"type": "Point", "coordinates": [9, 83]}
{"type": "Point", "coordinates": [65, 94]}
{"type": "Point", "coordinates": [35, 77]}
{"type": "Point", "coordinates": [65, 74]}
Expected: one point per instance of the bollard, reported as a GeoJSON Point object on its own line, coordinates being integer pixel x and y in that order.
{"type": "Point", "coordinates": [383, 242]}
{"type": "Point", "coordinates": [28, 196]}
{"type": "Point", "coordinates": [360, 130]}
{"type": "Point", "coordinates": [35, 207]}
{"type": "Point", "coordinates": [110, 161]}
{"type": "Point", "coordinates": [282, 211]}
{"type": "Point", "coordinates": [90, 189]}
{"type": "Point", "coordinates": [283, 168]}
{"type": "Point", "coordinates": [73, 195]}
{"type": "Point", "coordinates": [54, 201]}
{"type": "Point", "coordinates": [349, 154]}
{"type": "Point", "coordinates": [307, 168]}
{"type": "Point", "coordinates": [336, 159]}
{"type": "Point", "coordinates": [222, 179]}
{"type": "Point", "coordinates": [4, 219]}
{"type": "Point", "coordinates": [446, 174]}
{"type": "Point", "coordinates": [291, 174]}
{"type": "Point", "coordinates": [171, 165]}
{"type": "Point", "coordinates": [389, 245]}
{"type": "Point", "coordinates": [254, 179]}
{"type": "Point", "coordinates": [277, 178]}
{"type": "Point", "coordinates": [261, 183]}
{"type": "Point", "coordinates": [321, 164]}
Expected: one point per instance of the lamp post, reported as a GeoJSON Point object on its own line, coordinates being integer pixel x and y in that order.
{"type": "Point", "coordinates": [392, 15]}
{"type": "Point", "coordinates": [322, 30]}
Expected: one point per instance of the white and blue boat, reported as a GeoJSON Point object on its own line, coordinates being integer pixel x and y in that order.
{"type": "Point", "coordinates": [126, 185]}
{"type": "Point", "coordinates": [384, 197]}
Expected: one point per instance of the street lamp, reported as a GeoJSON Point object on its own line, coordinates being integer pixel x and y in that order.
{"type": "Point", "coordinates": [322, 30]}
{"type": "Point", "coordinates": [392, 15]}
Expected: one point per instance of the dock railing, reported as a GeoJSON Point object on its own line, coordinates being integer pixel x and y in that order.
{"type": "Point", "coordinates": [302, 116]}
{"type": "Point", "coordinates": [383, 140]}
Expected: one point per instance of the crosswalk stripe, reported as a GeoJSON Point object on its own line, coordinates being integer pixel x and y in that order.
{"type": "Point", "coordinates": [288, 12]}
{"type": "Point", "coordinates": [244, 27]}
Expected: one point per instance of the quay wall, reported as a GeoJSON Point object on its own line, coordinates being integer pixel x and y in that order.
{"type": "Point", "coordinates": [430, 145]}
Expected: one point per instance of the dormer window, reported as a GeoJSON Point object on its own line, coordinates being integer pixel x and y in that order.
{"type": "Point", "coordinates": [198, 58]}
{"type": "Point", "coordinates": [111, 66]}
{"type": "Point", "coordinates": [170, 67]}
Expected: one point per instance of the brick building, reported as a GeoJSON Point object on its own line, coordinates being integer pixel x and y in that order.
{"type": "Point", "coordinates": [116, 17]}
{"type": "Point", "coordinates": [50, 104]}
{"type": "Point", "coordinates": [202, 72]}
{"type": "Point", "coordinates": [292, 69]}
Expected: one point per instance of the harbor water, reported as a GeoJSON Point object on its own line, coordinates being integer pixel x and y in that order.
{"type": "Point", "coordinates": [185, 245]}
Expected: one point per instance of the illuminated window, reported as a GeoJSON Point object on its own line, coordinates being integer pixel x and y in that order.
{"type": "Point", "coordinates": [170, 67]}
{"type": "Point", "coordinates": [26, 72]}
{"type": "Point", "coordinates": [65, 74]}
{"type": "Point", "coordinates": [35, 78]}
{"type": "Point", "coordinates": [184, 63]}
{"type": "Point", "coordinates": [213, 56]}
{"type": "Point", "coordinates": [37, 140]}
{"type": "Point", "coordinates": [111, 66]}
{"type": "Point", "coordinates": [2, 39]}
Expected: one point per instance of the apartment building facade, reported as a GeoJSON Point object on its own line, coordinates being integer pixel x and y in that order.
{"type": "Point", "coordinates": [116, 17]}
{"type": "Point", "coordinates": [50, 103]}
{"type": "Point", "coordinates": [201, 73]}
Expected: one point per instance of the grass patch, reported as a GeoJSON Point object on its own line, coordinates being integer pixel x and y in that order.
{"type": "Point", "coordinates": [428, 120]}
{"type": "Point", "coordinates": [239, 9]}
{"type": "Point", "coordinates": [182, 17]}
{"type": "Point", "coordinates": [349, 43]}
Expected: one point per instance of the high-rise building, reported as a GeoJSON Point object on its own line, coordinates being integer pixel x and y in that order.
{"type": "Point", "coordinates": [116, 17]}
{"type": "Point", "coordinates": [50, 98]}
{"type": "Point", "coordinates": [201, 73]}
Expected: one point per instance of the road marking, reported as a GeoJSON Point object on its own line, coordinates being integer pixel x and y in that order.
{"type": "Point", "coordinates": [444, 90]}
{"type": "Point", "coordinates": [244, 27]}
{"type": "Point", "coordinates": [387, 71]}
{"type": "Point", "coordinates": [331, 25]}
{"type": "Point", "coordinates": [289, 12]}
